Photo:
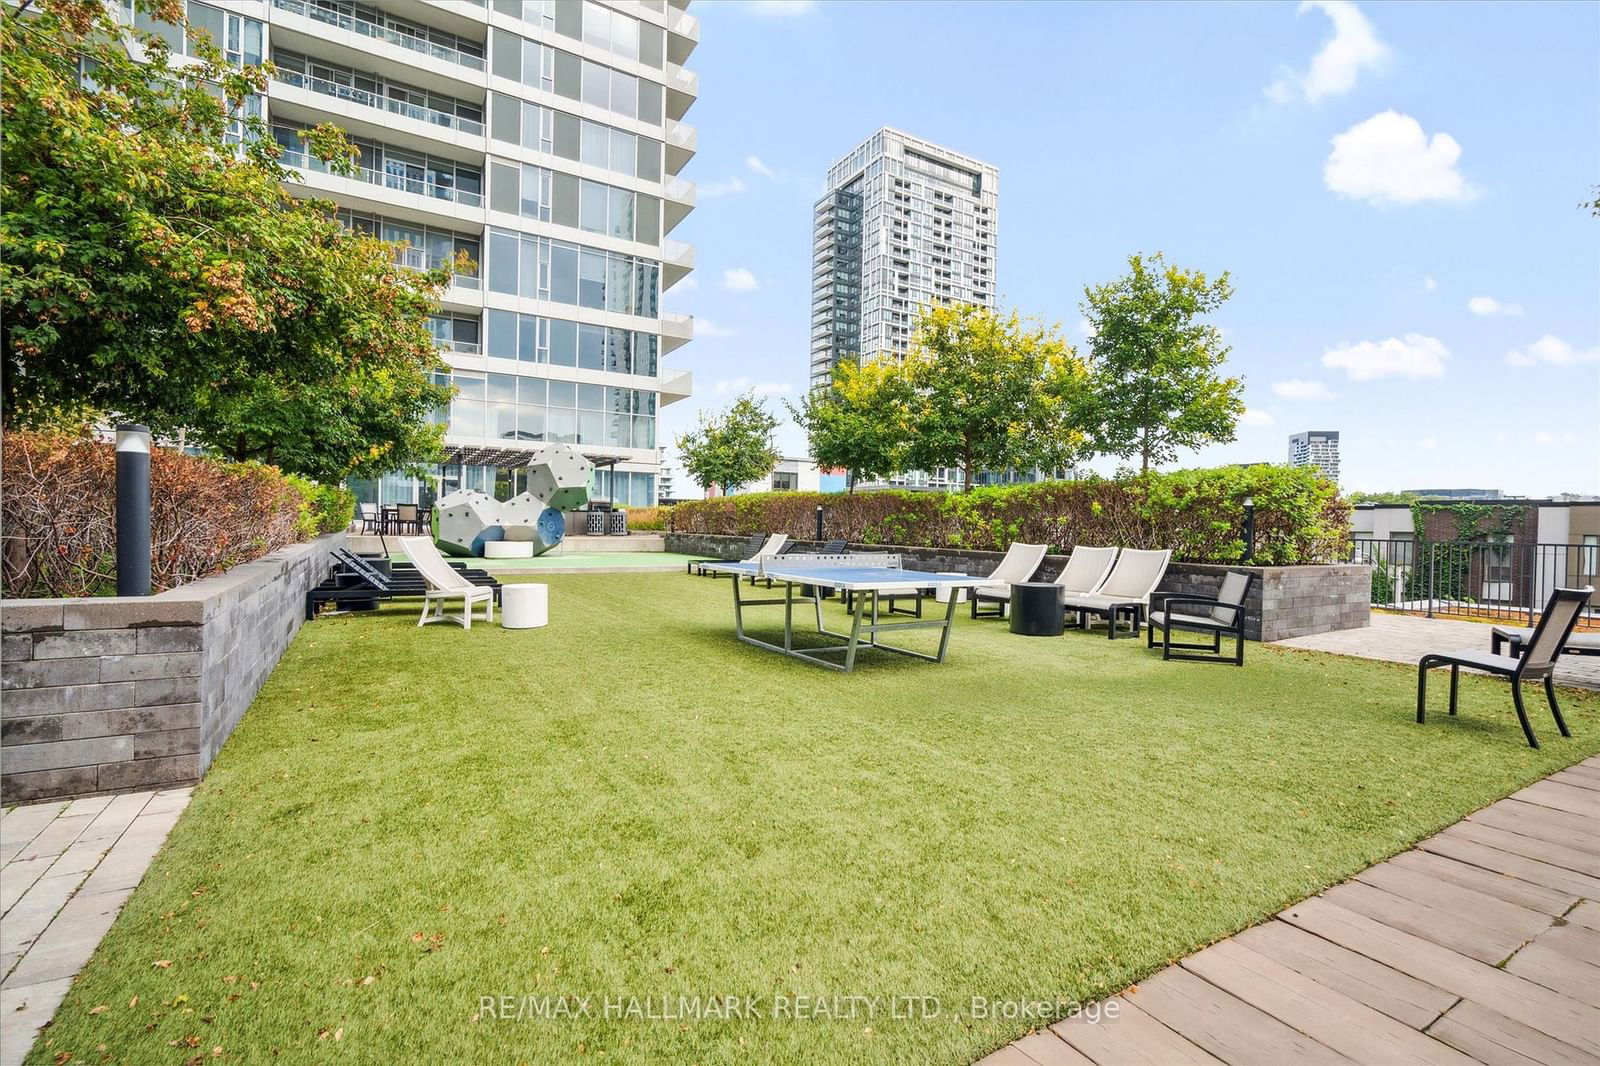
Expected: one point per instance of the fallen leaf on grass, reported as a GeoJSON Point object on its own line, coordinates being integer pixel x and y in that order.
{"type": "Point", "coordinates": [162, 964]}
{"type": "Point", "coordinates": [101, 1009]}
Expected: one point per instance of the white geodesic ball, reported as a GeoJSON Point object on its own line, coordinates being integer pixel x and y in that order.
{"type": "Point", "coordinates": [465, 517]}
{"type": "Point", "coordinates": [558, 476]}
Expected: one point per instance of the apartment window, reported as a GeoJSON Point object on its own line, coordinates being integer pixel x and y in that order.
{"type": "Point", "coordinates": [456, 333]}
{"type": "Point", "coordinates": [1589, 555]}
{"type": "Point", "coordinates": [1498, 565]}
{"type": "Point", "coordinates": [540, 268]}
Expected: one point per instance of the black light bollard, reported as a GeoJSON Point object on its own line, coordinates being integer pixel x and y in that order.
{"type": "Point", "coordinates": [1249, 528]}
{"type": "Point", "coordinates": [819, 523]}
{"type": "Point", "coordinates": [133, 511]}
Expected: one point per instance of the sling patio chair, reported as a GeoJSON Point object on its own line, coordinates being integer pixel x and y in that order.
{"type": "Point", "coordinates": [751, 547]}
{"type": "Point", "coordinates": [1219, 614]}
{"type": "Point", "coordinates": [1517, 638]}
{"type": "Point", "coordinates": [1086, 568]}
{"type": "Point", "coordinates": [1020, 561]}
{"type": "Point", "coordinates": [1538, 661]}
{"type": "Point", "coordinates": [443, 583]}
{"type": "Point", "coordinates": [1125, 591]}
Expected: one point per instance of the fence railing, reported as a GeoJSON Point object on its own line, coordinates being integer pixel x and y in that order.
{"type": "Point", "coordinates": [1505, 582]}
{"type": "Point", "coordinates": [382, 33]}
{"type": "Point", "coordinates": [383, 103]}
{"type": "Point", "coordinates": [388, 179]}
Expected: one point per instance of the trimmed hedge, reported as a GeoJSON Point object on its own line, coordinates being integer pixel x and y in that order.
{"type": "Point", "coordinates": [58, 510]}
{"type": "Point", "coordinates": [323, 508]}
{"type": "Point", "coordinates": [1199, 514]}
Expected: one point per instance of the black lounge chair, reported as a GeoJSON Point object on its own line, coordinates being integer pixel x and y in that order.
{"type": "Point", "coordinates": [751, 546]}
{"type": "Point", "coordinates": [356, 581]}
{"type": "Point", "coordinates": [1538, 661]}
{"type": "Point", "coordinates": [1218, 615]}
{"type": "Point", "coordinates": [1517, 637]}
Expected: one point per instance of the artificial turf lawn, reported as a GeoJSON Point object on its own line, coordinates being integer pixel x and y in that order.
{"type": "Point", "coordinates": [631, 803]}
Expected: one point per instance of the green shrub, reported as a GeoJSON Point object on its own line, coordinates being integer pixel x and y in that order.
{"type": "Point", "coordinates": [648, 518]}
{"type": "Point", "coordinates": [323, 508]}
{"type": "Point", "coordinates": [1199, 514]}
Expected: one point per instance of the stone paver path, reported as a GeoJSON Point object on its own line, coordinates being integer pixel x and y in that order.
{"type": "Point", "coordinates": [1405, 638]}
{"type": "Point", "coordinates": [65, 870]}
{"type": "Point", "coordinates": [1481, 945]}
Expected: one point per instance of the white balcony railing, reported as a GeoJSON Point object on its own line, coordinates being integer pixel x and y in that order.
{"type": "Point", "coordinates": [382, 103]}
{"type": "Point", "coordinates": [413, 258]}
{"type": "Point", "coordinates": [420, 186]}
{"type": "Point", "coordinates": [381, 33]}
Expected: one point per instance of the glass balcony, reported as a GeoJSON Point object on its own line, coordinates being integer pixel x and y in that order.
{"type": "Point", "coordinates": [405, 183]}
{"type": "Point", "coordinates": [381, 33]}
{"type": "Point", "coordinates": [382, 103]}
{"type": "Point", "coordinates": [418, 259]}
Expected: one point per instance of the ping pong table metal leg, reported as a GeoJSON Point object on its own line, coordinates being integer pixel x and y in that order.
{"type": "Point", "coordinates": [855, 631]}
{"type": "Point", "coordinates": [949, 622]}
{"type": "Point", "coordinates": [788, 617]}
{"type": "Point", "coordinates": [738, 611]}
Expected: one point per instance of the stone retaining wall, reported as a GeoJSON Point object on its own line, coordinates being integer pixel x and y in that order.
{"type": "Point", "coordinates": [111, 693]}
{"type": "Point", "coordinates": [1284, 601]}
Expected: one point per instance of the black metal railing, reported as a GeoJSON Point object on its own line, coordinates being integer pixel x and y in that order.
{"type": "Point", "coordinates": [1480, 579]}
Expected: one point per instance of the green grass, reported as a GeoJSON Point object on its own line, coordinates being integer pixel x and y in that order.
{"type": "Point", "coordinates": [631, 802]}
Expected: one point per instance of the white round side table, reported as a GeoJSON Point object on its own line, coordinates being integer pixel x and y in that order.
{"type": "Point", "coordinates": [942, 593]}
{"type": "Point", "coordinates": [524, 606]}
{"type": "Point", "coordinates": [508, 549]}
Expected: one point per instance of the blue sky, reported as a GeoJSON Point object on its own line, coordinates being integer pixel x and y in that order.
{"type": "Point", "coordinates": [1394, 189]}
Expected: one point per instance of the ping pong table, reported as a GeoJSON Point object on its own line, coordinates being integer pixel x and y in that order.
{"type": "Point", "coordinates": [866, 576]}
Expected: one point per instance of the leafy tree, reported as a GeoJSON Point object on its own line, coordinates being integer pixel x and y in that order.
{"type": "Point", "coordinates": [153, 267]}
{"type": "Point", "coordinates": [1383, 497]}
{"type": "Point", "coordinates": [1156, 381]}
{"type": "Point", "coordinates": [990, 392]}
{"type": "Point", "coordinates": [732, 447]}
{"type": "Point", "coordinates": [859, 421]}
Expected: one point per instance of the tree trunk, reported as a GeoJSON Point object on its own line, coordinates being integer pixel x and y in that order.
{"type": "Point", "coordinates": [968, 474]}
{"type": "Point", "coordinates": [1144, 452]}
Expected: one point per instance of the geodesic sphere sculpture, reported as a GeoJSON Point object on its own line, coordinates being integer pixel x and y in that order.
{"type": "Point", "coordinates": [525, 517]}
{"type": "Point", "coordinates": [467, 518]}
{"type": "Point", "coordinates": [558, 475]}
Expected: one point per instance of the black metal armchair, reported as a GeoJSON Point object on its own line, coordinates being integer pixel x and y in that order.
{"type": "Point", "coordinates": [1537, 662]}
{"type": "Point", "coordinates": [1220, 615]}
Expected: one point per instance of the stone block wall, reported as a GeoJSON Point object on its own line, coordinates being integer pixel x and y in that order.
{"type": "Point", "coordinates": [111, 693]}
{"type": "Point", "coordinates": [1284, 601]}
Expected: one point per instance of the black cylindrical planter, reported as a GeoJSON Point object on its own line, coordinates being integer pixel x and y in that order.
{"type": "Point", "coordinates": [1036, 608]}
{"type": "Point", "coordinates": [133, 511]}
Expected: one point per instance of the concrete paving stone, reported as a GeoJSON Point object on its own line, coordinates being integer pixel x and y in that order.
{"type": "Point", "coordinates": [25, 823]}
{"type": "Point", "coordinates": [88, 805]}
{"type": "Point", "coordinates": [22, 1011]}
{"type": "Point", "coordinates": [34, 912]}
{"type": "Point", "coordinates": [117, 816]}
{"type": "Point", "coordinates": [83, 856]}
{"type": "Point", "coordinates": [64, 947]}
{"type": "Point", "coordinates": [18, 877]}
{"type": "Point", "coordinates": [124, 865]}
{"type": "Point", "coordinates": [171, 799]}
{"type": "Point", "coordinates": [57, 837]}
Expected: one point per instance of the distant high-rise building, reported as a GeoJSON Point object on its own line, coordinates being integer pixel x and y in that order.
{"type": "Point", "coordinates": [1318, 448]}
{"type": "Point", "coordinates": [904, 224]}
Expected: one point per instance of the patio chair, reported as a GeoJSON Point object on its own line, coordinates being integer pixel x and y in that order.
{"type": "Point", "coordinates": [1223, 613]}
{"type": "Point", "coordinates": [406, 519]}
{"type": "Point", "coordinates": [444, 584]}
{"type": "Point", "coordinates": [1517, 638]}
{"type": "Point", "coordinates": [751, 547]}
{"type": "Point", "coordinates": [1538, 661]}
{"type": "Point", "coordinates": [367, 516]}
{"type": "Point", "coordinates": [1086, 568]}
{"type": "Point", "coordinates": [1020, 561]}
{"type": "Point", "coordinates": [1125, 591]}
{"type": "Point", "coordinates": [772, 546]}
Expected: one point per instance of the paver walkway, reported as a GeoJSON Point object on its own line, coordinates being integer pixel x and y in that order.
{"type": "Point", "coordinates": [67, 869]}
{"type": "Point", "coordinates": [1405, 638]}
{"type": "Point", "coordinates": [1480, 945]}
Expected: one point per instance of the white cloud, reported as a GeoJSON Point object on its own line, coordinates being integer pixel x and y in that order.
{"type": "Point", "coordinates": [713, 189]}
{"type": "Point", "coordinates": [779, 8]}
{"type": "Point", "coordinates": [1354, 47]}
{"type": "Point", "coordinates": [1488, 305]}
{"type": "Point", "coordinates": [1252, 417]}
{"type": "Point", "coordinates": [1388, 159]}
{"type": "Point", "coordinates": [704, 327]}
{"type": "Point", "coordinates": [1297, 389]}
{"type": "Point", "coordinates": [1086, 328]}
{"type": "Point", "coordinates": [758, 167]}
{"type": "Point", "coordinates": [1552, 351]}
{"type": "Point", "coordinates": [1428, 444]}
{"type": "Point", "coordinates": [1413, 356]}
{"type": "Point", "coordinates": [688, 284]}
{"type": "Point", "coordinates": [740, 385]}
{"type": "Point", "coordinates": [1428, 283]}
{"type": "Point", "coordinates": [739, 280]}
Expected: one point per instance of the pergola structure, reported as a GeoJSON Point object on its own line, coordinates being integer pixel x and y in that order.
{"type": "Point", "coordinates": [464, 455]}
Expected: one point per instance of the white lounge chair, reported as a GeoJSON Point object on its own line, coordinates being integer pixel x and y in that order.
{"type": "Point", "coordinates": [444, 584]}
{"type": "Point", "coordinates": [1125, 591]}
{"type": "Point", "coordinates": [1085, 570]}
{"type": "Point", "coordinates": [1020, 561]}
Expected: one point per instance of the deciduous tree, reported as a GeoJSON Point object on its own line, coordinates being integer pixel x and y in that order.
{"type": "Point", "coordinates": [991, 392]}
{"type": "Point", "coordinates": [1156, 380]}
{"type": "Point", "coordinates": [153, 267]}
{"type": "Point", "coordinates": [859, 422]}
{"type": "Point", "coordinates": [732, 447]}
